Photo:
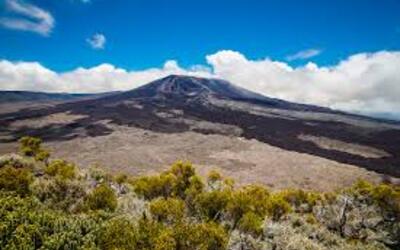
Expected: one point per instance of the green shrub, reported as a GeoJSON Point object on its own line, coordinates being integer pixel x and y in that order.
{"type": "Point", "coordinates": [165, 241]}
{"type": "Point", "coordinates": [251, 223]}
{"type": "Point", "coordinates": [277, 206]}
{"type": "Point", "coordinates": [385, 195]}
{"type": "Point", "coordinates": [42, 155]}
{"type": "Point", "coordinates": [216, 181]}
{"type": "Point", "coordinates": [200, 236]}
{"type": "Point", "coordinates": [62, 169]}
{"type": "Point", "coordinates": [361, 187]}
{"type": "Point", "coordinates": [229, 183]}
{"type": "Point", "coordinates": [15, 179]}
{"type": "Point", "coordinates": [183, 172]}
{"type": "Point", "coordinates": [214, 178]}
{"type": "Point", "coordinates": [25, 236]}
{"type": "Point", "coordinates": [196, 188]}
{"type": "Point", "coordinates": [252, 198]}
{"type": "Point", "coordinates": [174, 182]}
{"type": "Point", "coordinates": [301, 200]}
{"type": "Point", "coordinates": [118, 233]}
{"type": "Point", "coordinates": [212, 205]}
{"type": "Point", "coordinates": [102, 197]}
{"type": "Point", "coordinates": [59, 193]}
{"type": "Point", "coordinates": [121, 178]}
{"type": "Point", "coordinates": [167, 210]}
{"type": "Point", "coordinates": [31, 146]}
{"type": "Point", "coordinates": [150, 187]}
{"type": "Point", "coordinates": [209, 236]}
{"type": "Point", "coordinates": [99, 174]}
{"type": "Point", "coordinates": [259, 196]}
{"type": "Point", "coordinates": [26, 224]}
{"type": "Point", "coordinates": [148, 233]}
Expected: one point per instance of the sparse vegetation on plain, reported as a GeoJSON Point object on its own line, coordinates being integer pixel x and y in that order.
{"type": "Point", "coordinates": [50, 203]}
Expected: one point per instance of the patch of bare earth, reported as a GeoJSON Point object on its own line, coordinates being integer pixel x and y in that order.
{"type": "Point", "coordinates": [351, 148]}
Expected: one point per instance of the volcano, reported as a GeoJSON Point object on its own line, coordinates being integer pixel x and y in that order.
{"type": "Point", "coordinates": [178, 90]}
{"type": "Point", "coordinates": [178, 104]}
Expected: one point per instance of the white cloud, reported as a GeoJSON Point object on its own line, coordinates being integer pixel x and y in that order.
{"type": "Point", "coordinates": [30, 18]}
{"type": "Point", "coordinates": [97, 41]}
{"type": "Point", "coordinates": [366, 82]}
{"type": "Point", "coordinates": [304, 54]}
{"type": "Point", "coordinates": [104, 77]}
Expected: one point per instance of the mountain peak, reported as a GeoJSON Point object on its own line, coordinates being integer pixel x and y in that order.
{"type": "Point", "coordinates": [182, 85]}
{"type": "Point", "coordinates": [189, 87]}
{"type": "Point", "coordinates": [177, 77]}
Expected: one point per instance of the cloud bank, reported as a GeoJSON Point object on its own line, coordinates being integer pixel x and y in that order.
{"type": "Point", "coordinates": [367, 82]}
{"type": "Point", "coordinates": [102, 78]}
{"type": "Point", "coordinates": [27, 17]}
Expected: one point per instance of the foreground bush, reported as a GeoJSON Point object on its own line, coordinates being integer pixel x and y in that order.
{"type": "Point", "coordinates": [118, 233]}
{"type": "Point", "coordinates": [55, 205]}
{"type": "Point", "coordinates": [62, 169]}
{"type": "Point", "coordinates": [168, 210]}
{"type": "Point", "coordinates": [31, 146]}
{"type": "Point", "coordinates": [60, 194]}
{"type": "Point", "coordinates": [27, 224]}
{"type": "Point", "coordinates": [102, 197]}
{"type": "Point", "coordinates": [15, 179]}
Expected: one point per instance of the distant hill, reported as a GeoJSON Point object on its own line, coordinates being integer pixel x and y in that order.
{"type": "Point", "coordinates": [29, 96]}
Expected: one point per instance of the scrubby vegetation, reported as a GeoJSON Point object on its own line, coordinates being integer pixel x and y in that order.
{"type": "Point", "coordinates": [52, 204]}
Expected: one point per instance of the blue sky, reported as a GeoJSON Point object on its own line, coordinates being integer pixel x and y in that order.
{"type": "Point", "coordinates": [145, 33]}
{"type": "Point", "coordinates": [343, 54]}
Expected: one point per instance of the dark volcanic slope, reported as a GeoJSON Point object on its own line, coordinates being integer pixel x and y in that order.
{"type": "Point", "coordinates": [269, 120]}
